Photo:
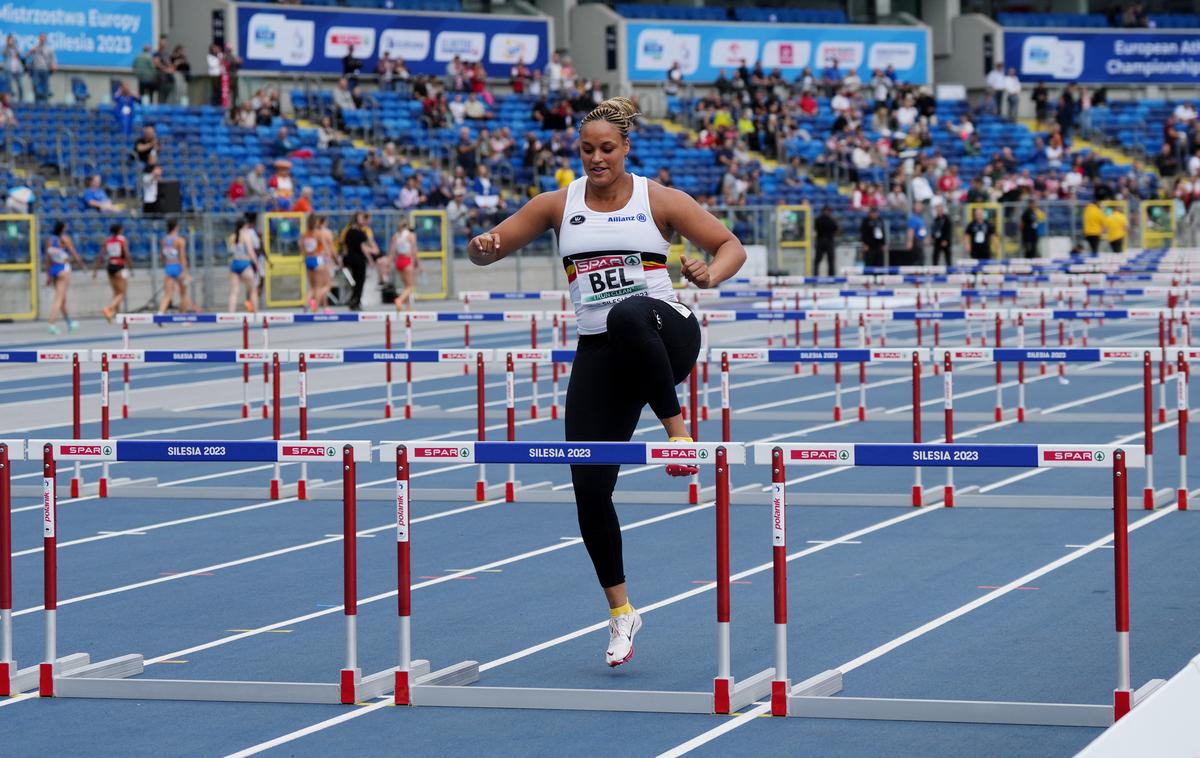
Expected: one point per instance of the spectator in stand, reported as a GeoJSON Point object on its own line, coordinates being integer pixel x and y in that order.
{"type": "Point", "coordinates": [949, 184]}
{"type": "Point", "coordinates": [95, 198]}
{"type": "Point", "coordinates": [1041, 102]}
{"type": "Point", "coordinates": [486, 193]}
{"type": "Point", "coordinates": [872, 233]}
{"type": "Point", "coordinates": [564, 175]}
{"type": "Point", "coordinates": [146, 74]}
{"type": "Point", "coordinates": [1093, 225]}
{"type": "Point", "coordinates": [370, 168]}
{"type": "Point", "coordinates": [244, 116]}
{"type": "Point", "coordinates": [980, 236]}
{"type": "Point", "coordinates": [390, 161]}
{"type": "Point", "coordinates": [385, 72]}
{"type": "Point", "coordinates": [343, 99]}
{"type": "Point", "coordinates": [214, 64]}
{"type": "Point", "coordinates": [282, 186]}
{"type": "Point", "coordinates": [1066, 112]}
{"type": "Point", "coordinates": [7, 116]}
{"type": "Point", "coordinates": [918, 234]}
{"type": "Point", "coordinates": [553, 75]}
{"type": "Point", "coordinates": [796, 175]}
{"type": "Point", "coordinates": [808, 105]}
{"type": "Point", "coordinates": [1167, 162]}
{"type": "Point", "coordinates": [147, 147]}
{"type": "Point", "coordinates": [881, 89]}
{"type": "Point", "coordinates": [475, 109]}
{"type": "Point", "coordinates": [1030, 224]}
{"type": "Point", "coordinates": [996, 89]}
{"type": "Point", "coordinates": [304, 203]}
{"type": "Point", "coordinates": [942, 234]}
{"type": "Point", "coordinates": [164, 72]}
{"type": "Point", "coordinates": [14, 68]}
{"type": "Point", "coordinates": [410, 194]}
{"type": "Point", "coordinates": [466, 150]}
{"type": "Point", "coordinates": [236, 191]}
{"type": "Point", "coordinates": [1054, 150]}
{"type": "Point", "coordinates": [350, 67]}
{"type": "Point", "coordinates": [455, 75]}
{"type": "Point", "coordinates": [1117, 224]}
{"type": "Point", "coordinates": [733, 186]}
{"type": "Point", "coordinates": [1012, 93]}
{"type": "Point", "coordinates": [831, 78]}
{"type": "Point", "coordinates": [284, 143]}
{"type": "Point", "coordinates": [826, 229]}
{"type": "Point", "coordinates": [1193, 163]}
{"type": "Point", "coordinates": [518, 76]}
{"type": "Point", "coordinates": [568, 73]}
{"type": "Point", "coordinates": [674, 79]}
{"type": "Point", "coordinates": [1185, 113]}
{"type": "Point", "coordinates": [151, 179]}
{"type": "Point", "coordinates": [182, 72]}
{"type": "Point", "coordinates": [664, 177]}
{"type": "Point", "coordinates": [41, 63]}
{"type": "Point", "coordinates": [458, 109]}
{"type": "Point", "coordinates": [922, 192]}
{"type": "Point", "coordinates": [256, 183]}
{"type": "Point", "coordinates": [327, 134]}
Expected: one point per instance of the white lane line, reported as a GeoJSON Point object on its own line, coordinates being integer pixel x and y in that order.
{"type": "Point", "coordinates": [385, 701]}
{"type": "Point", "coordinates": [884, 649]}
{"type": "Point", "coordinates": [833, 542]}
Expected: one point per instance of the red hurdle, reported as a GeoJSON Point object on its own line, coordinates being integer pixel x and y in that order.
{"type": "Point", "coordinates": [1182, 385]}
{"type": "Point", "coordinates": [7, 667]}
{"type": "Point", "coordinates": [1123, 694]}
{"type": "Point", "coordinates": [780, 684]}
{"type": "Point", "coordinates": [948, 406]}
{"type": "Point", "coordinates": [480, 422]}
{"type": "Point", "coordinates": [401, 694]}
{"type": "Point", "coordinates": [49, 570]}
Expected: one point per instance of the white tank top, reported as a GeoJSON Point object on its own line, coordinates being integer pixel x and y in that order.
{"type": "Point", "coordinates": [611, 256]}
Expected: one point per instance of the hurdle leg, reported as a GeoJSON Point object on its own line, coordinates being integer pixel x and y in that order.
{"type": "Point", "coordinates": [723, 683]}
{"type": "Point", "coordinates": [401, 694]}
{"type": "Point", "coordinates": [1123, 694]}
{"type": "Point", "coordinates": [1182, 385]}
{"type": "Point", "coordinates": [8, 666]}
{"type": "Point", "coordinates": [862, 391]}
{"type": "Point", "coordinates": [916, 405]}
{"type": "Point", "coordinates": [1148, 425]}
{"type": "Point", "coordinates": [49, 573]}
{"type": "Point", "coordinates": [780, 684]}
{"type": "Point", "coordinates": [350, 674]}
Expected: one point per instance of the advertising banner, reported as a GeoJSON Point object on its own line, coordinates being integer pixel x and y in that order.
{"type": "Point", "coordinates": [283, 38]}
{"type": "Point", "coordinates": [82, 33]}
{"type": "Point", "coordinates": [1118, 56]}
{"type": "Point", "coordinates": [704, 48]}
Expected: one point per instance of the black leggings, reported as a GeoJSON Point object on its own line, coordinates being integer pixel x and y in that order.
{"type": "Point", "coordinates": [649, 348]}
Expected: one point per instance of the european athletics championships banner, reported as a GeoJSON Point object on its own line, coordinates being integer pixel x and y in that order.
{"type": "Point", "coordinates": [704, 48]}
{"type": "Point", "coordinates": [103, 34]}
{"type": "Point", "coordinates": [311, 39]}
{"type": "Point", "coordinates": [1119, 56]}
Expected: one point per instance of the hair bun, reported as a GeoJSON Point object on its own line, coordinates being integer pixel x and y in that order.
{"type": "Point", "coordinates": [619, 111]}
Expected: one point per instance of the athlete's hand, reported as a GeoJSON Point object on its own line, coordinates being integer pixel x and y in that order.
{"type": "Point", "coordinates": [695, 271]}
{"type": "Point", "coordinates": [484, 248]}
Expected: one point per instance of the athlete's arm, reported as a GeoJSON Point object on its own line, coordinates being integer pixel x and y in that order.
{"type": "Point", "coordinates": [70, 246]}
{"type": "Point", "coordinates": [684, 215]}
{"type": "Point", "coordinates": [518, 230]}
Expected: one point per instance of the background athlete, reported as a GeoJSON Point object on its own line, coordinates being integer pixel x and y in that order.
{"type": "Point", "coordinates": [636, 341]}
{"type": "Point", "coordinates": [115, 254]}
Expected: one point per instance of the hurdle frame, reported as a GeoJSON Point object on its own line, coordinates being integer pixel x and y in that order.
{"type": "Point", "coordinates": [787, 701]}
{"type": "Point", "coordinates": [727, 695]}
{"type": "Point", "coordinates": [114, 677]}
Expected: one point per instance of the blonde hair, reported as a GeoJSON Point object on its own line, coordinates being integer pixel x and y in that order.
{"type": "Point", "coordinates": [621, 112]}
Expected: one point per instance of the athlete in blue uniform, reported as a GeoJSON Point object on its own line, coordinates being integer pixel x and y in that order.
{"type": "Point", "coordinates": [173, 255]}
{"type": "Point", "coordinates": [60, 250]}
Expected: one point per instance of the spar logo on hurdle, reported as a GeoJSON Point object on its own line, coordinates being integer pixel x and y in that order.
{"type": "Point", "coordinates": [819, 454]}
{"type": "Point", "coordinates": [678, 454]}
{"type": "Point", "coordinates": [441, 452]}
{"type": "Point", "coordinates": [309, 451]}
{"type": "Point", "coordinates": [85, 451]}
{"type": "Point", "coordinates": [1074, 456]}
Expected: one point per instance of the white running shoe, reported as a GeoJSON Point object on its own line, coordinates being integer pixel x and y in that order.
{"type": "Point", "coordinates": [621, 630]}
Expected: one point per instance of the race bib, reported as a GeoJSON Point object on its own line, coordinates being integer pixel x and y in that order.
{"type": "Point", "coordinates": [980, 238]}
{"type": "Point", "coordinates": [878, 233]}
{"type": "Point", "coordinates": [609, 278]}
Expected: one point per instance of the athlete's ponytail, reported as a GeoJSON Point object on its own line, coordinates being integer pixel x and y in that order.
{"type": "Point", "coordinates": [621, 112]}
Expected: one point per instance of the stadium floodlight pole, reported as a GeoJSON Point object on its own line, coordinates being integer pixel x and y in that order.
{"type": "Point", "coordinates": [481, 424]}
{"type": "Point", "coordinates": [408, 380]}
{"type": "Point", "coordinates": [1182, 384]}
{"type": "Point", "coordinates": [76, 419]}
{"type": "Point", "coordinates": [275, 421]}
{"type": "Point", "coordinates": [350, 674]}
{"type": "Point", "coordinates": [7, 665]}
{"type": "Point", "coordinates": [245, 368]}
{"type": "Point", "coordinates": [1148, 428]}
{"type": "Point", "coordinates": [49, 570]}
{"type": "Point", "coordinates": [103, 486]}
{"type": "Point", "coordinates": [780, 685]}
{"type": "Point", "coordinates": [401, 692]}
{"type": "Point", "coordinates": [302, 399]}
{"type": "Point", "coordinates": [387, 344]}
{"type": "Point", "coordinates": [510, 410]}
{"type": "Point", "coordinates": [125, 372]}
{"type": "Point", "coordinates": [1123, 694]}
{"type": "Point", "coordinates": [916, 404]}
{"type": "Point", "coordinates": [948, 407]}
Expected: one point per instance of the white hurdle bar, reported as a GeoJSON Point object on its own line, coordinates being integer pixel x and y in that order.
{"type": "Point", "coordinates": [726, 695]}
{"type": "Point", "coordinates": [788, 701]}
{"type": "Point", "coordinates": [112, 678]}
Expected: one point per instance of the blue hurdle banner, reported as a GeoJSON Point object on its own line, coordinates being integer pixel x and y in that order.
{"type": "Point", "coordinates": [1047, 314]}
{"type": "Point", "coordinates": [818, 355]}
{"type": "Point", "coordinates": [472, 296]}
{"type": "Point", "coordinates": [309, 451]}
{"type": "Point", "coordinates": [951, 456]}
{"type": "Point", "coordinates": [43, 356]}
{"type": "Point", "coordinates": [390, 356]}
{"type": "Point", "coordinates": [1045, 354]}
{"type": "Point", "coordinates": [469, 317]}
{"type": "Point", "coordinates": [526, 355]}
{"type": "Point", "coordinates": [16, 449]}
{"type": "Point", "coordinates": [592, 453]}
{"type": "Point", "coordinates": [188, 356]}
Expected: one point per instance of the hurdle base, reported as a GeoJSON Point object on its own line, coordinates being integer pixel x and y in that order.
{"type": "Point", "coordinates": [26, 679]}
{"type": "Point", "coordinates": [446, 688]}
{"type": "Point", "coordinates": [109, 680]}
{"type": "Point", "coordinates": [951, 711]}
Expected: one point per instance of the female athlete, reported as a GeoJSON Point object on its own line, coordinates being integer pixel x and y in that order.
{"type": "Point", "coordinates": [59, 252]}
{"type": "Point", "coordinates": [316, 261]}
{"type": "Point", "coordinates": [173, 252]}
{"type": "Point", "coordinates": [242, 265]}
{"type": "Point", "coordinates": [636, 341]}
{"type": "Point", "coordinates": [404, 248]}
{"type": "Point", "coordinates": [115, 253]}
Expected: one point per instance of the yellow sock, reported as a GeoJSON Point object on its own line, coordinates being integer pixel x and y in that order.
{"type": "Point", "coordinates": [680, 439]}
{"type": "Point", "coordinates": [627, 608]}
